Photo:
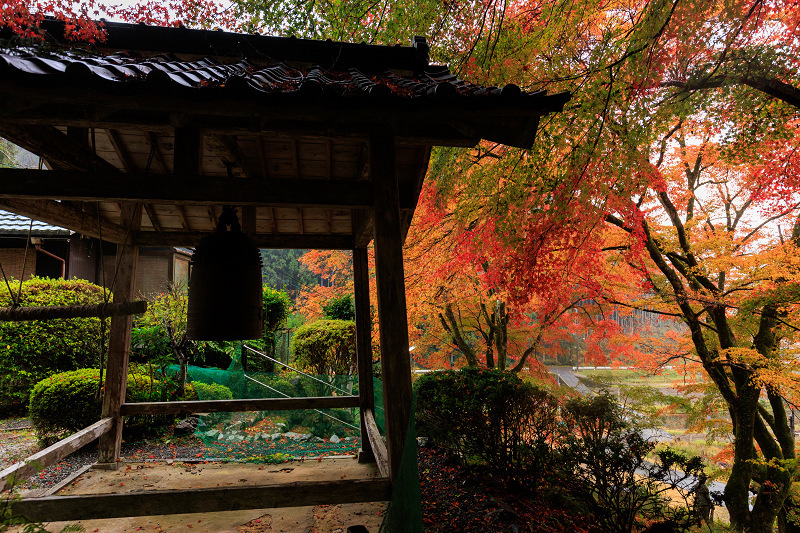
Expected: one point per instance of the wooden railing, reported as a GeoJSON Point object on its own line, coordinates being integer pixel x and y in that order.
{"type": "Point", "coordinates": [208, 500]}
{"type": "Point", "coordinates": [377, 442]}
{"type": "Point", "coordinates": [235, 406]}
{"type": "Point", "coordinates": [25, 469]}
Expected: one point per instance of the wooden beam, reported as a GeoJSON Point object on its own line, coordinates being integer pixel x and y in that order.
{"type": "Point", "coordinates": [151, 214]}
{"type": "Point", "coordinates": [186, 190]}
{"type": "Point", "coordinates": [262, 157]}
{"type": "Point", "coordinates": [183, 217]}
{"type": "Point", "coordinates": [207, 500]}
{"type": "Point", "coordinates": [212, 217]}
{"type": "Point", "coordinates": [362, 227]}
{"type": "Point", "coordinates": [119, 339]}
{"type": "Point", "coordinates": [363, 345]}
{"type": "Point", "coordinates": [376, 443]}
{"type": "Point", "coordinates": [227, 149]}
{"type": "Point", "coordinates": [23, 470]}
{"type": "Point", "coordinates": [50, 312]}
{"type": "Point", "coordinates": [122, 152]}
{"type": "Point", "coordinates": [59, 149]}
{"type": "Point", "coordinates": [271, 240]}
{"type": "Point", "coordinates": [237, 406]}
{"type": "Point", "coordinates": [152, 144]}
{"type": "Point", "coordinates": [66, 216]}
{"type": "Point", "coordinates": [188, 158]}
{"type": "Point", "coordinates": [392, 316]}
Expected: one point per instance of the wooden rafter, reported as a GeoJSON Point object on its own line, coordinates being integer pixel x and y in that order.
{"type": "Point", "coordinates": [151, 214]}
{"type": "Point", "coordinates": [295, 158]}
{"type": "Point", "coordinates": [274, 216]}
{"type": "Point", "coordinates": [185, 190]}
{"type": "Point", "coordinates": [184, 218]}
{"type": "Point", "coordinates": [122, 151]}
{"type": "Point", "coordinates": [212, 216]}
{"type": "Point", "coordinates": [328, 159]}
{"type": "Point", "coordinates": [66, 216]}
{"type": "Point", "coordinates": [227, 149]}
{"type": "Point", "coordinates": [262, 156]}
{"type": "Point", "coordinates": [300, 220]}
{"type": "Point", "coordinates": [62, 152]}
{"type": "Point", "coordinates": [151, 140]}
{"type": "Point", "coordinates": [273, 240]}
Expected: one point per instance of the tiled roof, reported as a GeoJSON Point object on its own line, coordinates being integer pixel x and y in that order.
{"type": "Point", "coordinates": [11, 224]}
{"type": "Point", "coordinates": [272, 69]}
{"type": "Point", "coordinates": [156, 74]}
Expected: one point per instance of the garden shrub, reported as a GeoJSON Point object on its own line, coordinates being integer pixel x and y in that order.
{"type": "Point", "coordinates": [604, 463]}
{"type": "Point", "coordinates": [207, 391]}
{"type": "Point", "coordinates": [490, 415]}
{"type": "Point", "coordinates": [32, 350]}
{"type": "Point", "coordinates": [67, 402]}
{"type": "Point", "coordinates": [325, 347]}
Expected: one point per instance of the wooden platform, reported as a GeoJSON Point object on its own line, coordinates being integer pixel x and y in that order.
{"type": "Point", "coordinates": [160, 489]}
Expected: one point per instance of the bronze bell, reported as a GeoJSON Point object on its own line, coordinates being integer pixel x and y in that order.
{"type": "Point", "coordinates": [225, 301]}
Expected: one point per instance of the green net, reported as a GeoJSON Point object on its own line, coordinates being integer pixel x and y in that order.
{"type": "Point", "coordinates": [273, 436]}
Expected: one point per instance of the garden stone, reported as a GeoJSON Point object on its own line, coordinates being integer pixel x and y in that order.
{"type": "Point", "coordinates": [334, 439]}
{"type": "Point", "coordinates": [422, 441]}
{"type": "Point", "coordinates": [276, 436]}
{"type": "Point", "coordinates": [211, 433]}
{"type": "Point", "coordinates": [186, 426]}
{"type": "Point", "coordinates": [317, 439]}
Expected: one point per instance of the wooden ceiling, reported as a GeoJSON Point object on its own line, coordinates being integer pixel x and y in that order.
{"type": "Point", "coordinates": [286, 140]}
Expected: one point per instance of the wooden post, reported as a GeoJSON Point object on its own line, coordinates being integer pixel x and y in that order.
{"type": "Point", "coordinates": [363, 347]}
{"type": "Point", "coordinates": [392, 318]}
{"type": "Point", "coordinates": [120, 339]}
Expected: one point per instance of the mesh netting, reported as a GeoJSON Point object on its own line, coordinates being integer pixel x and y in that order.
{"type": "Point", "coordinates": [273, 436]}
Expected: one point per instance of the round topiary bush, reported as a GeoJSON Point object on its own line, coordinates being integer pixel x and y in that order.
{"type": "Point", "coordinates": [197, 390]}
{"type": "Point", "coordinates": [326, 347]}
{"type": "Point", "coordinates": [32, 350]}
{"type": "Point", "coordinates": [68, 402]}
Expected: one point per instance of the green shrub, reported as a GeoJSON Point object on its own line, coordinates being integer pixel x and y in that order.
{"type": "Point", "coordinates": [211, 391]}
{"type": "Point", "coordinates": [492, 416]}
{"type": "Point", "coordinates": [605, 463]}
{"type": "Point", "coordinates": [32, 350]}
{"type": "Point", "coordinates": [325, 347]}
{"type": "Point", "coordinates": [68, 402]}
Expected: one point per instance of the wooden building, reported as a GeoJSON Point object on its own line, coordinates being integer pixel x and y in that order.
{"type": "Point", "coordinates": [320, 145]}
{"type": "Point", "coordinates": [49, 251]}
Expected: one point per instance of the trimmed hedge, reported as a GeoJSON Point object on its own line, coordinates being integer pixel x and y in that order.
{"type": "Point", "coordinates": [326, 347]}
{"type": "Point", "coordinates": [32, 350]}
{"type": "Point", "coordinates": [67, 402]}
{"type": "Point", "coordinates": [197, 390]}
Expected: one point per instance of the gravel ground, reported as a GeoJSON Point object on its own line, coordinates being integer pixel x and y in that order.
{"type": "Point", "coordinates": [180, 449]}
{"type": "Point", "coordinates": [184, 449]}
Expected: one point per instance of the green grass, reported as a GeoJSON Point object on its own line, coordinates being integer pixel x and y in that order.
{"type": "Point", "coordinates": [630, 377]}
